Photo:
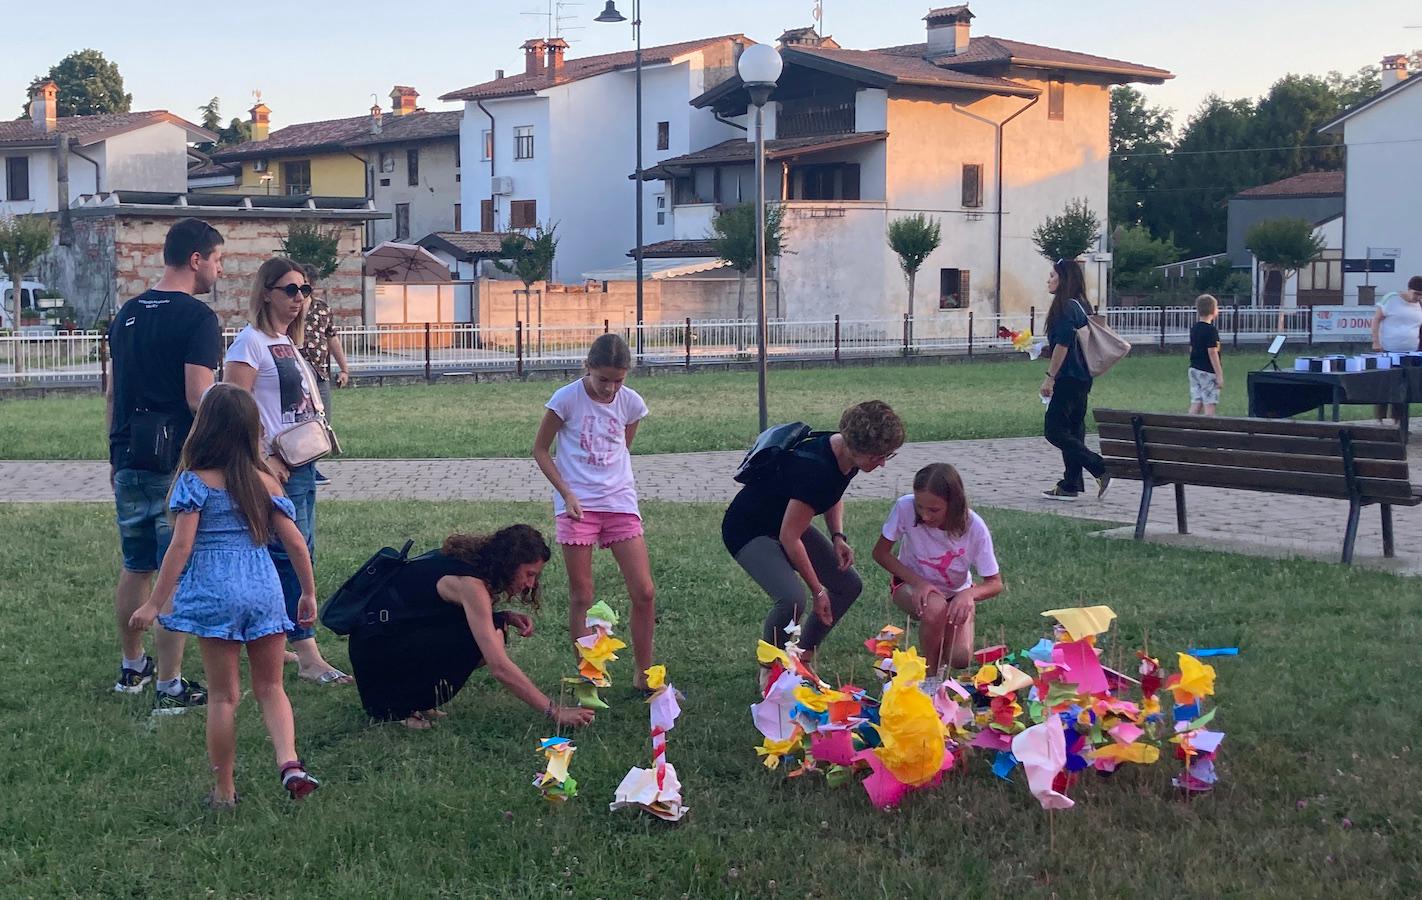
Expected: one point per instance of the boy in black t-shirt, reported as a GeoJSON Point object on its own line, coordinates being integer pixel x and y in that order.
{"type": "Point", "coordinates": [1206, 371]}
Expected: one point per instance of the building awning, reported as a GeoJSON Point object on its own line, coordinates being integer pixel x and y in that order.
{"type": "Point", "coordinates": [656, 269]}
{"type": "Point", "coordinates": [738, 151]}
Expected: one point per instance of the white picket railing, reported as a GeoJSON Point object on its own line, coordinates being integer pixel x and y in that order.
{"type": "Point", "coordinates": [442, 348]}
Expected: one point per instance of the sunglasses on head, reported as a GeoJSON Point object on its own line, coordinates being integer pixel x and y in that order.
{"type": "Point", "coordinates": [291, 290]}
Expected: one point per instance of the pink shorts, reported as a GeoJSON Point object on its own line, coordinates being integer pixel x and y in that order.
{"type": "Point", "coordinates": [601, 528]}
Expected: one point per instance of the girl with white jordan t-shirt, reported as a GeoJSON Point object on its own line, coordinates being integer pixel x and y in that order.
{"type": "Point", "coordinates": [941, 542]}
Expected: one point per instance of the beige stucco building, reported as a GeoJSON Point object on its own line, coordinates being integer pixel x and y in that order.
{"type": "Point", "coordinates": [988, 136]}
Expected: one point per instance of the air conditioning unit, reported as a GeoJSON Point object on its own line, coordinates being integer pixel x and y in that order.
{"type": "Point", "coordinates": [501, 184]}
{"type": "Point", "coordinates": [259, 165]}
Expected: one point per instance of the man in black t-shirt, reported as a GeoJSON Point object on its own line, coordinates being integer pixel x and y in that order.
{"type": "Point", "coordinates": [1206, 370]}
{"type": "Point", "coordinates": [165, 345]}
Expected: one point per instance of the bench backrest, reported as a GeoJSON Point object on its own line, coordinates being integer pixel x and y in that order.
{"type": "Point", "coordinates": [1277, 455]}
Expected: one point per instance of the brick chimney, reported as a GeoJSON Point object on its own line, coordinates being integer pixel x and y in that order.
{"type": "Point", "coordinates": [948, 30]}
{"type": "Point", "coordinates": [402, 99]}
{"type": "Point", "coordinates": [261, 121]}
{"type": "Point", "coordinates": [556, 48]}
{"type": "Point", "coordinates": [1394, 69]}
{"type": "Point", "coordinates": [44, 99]}
{"type": "Point", "coordinates": [533, 51]}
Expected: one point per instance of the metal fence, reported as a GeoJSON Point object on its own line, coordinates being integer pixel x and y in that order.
{"type": "Point", "coordinates": [437, 349]}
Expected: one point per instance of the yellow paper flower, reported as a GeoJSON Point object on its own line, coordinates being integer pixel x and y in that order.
{"type": "Point", "coordinates": [766, 653]}
{"type": "Point", "coordinates": [910, 731]}
{"type": "Point", "coordinates": [1196, 678]}
{"type": "Point", "coordinates": [986, 675]}
{"type": "Point", "coordinates": [911, 667]}
{"type": "Point", "coordinates": [1143, 754]}
{"type": "Point", "coordinates": [656, 677]}
{"type": "Point", "coordinates": [773, 750]}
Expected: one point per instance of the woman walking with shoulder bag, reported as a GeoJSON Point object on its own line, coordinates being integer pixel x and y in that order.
{"type": "Point", "coordinates": [1068, 384]}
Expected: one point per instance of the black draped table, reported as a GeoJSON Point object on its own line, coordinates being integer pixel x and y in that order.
{"type": "Point", "coordinates": [1275, 395]}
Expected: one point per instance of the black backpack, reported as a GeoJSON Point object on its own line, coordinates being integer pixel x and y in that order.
{"type": "Point", "coordinates": [763, 459]}
{"type": "Point", "coordinates": [344, 611]}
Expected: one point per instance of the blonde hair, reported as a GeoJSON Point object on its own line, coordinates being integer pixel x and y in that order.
{"type": "Point", "coordinates": [1206, 304]}
{"type": "Point", "coordinates": [260, 311]}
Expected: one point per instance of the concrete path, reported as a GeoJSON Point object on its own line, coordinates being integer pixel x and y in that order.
{"type": "Point", "coordinates": [1008, 473]}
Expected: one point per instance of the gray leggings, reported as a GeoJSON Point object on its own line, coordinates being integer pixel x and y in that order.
{"type": "Point", "coordinates": [764, 560]}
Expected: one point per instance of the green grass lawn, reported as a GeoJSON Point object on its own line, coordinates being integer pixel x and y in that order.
{"type": "Point", "coordinates": [1320, 772]}
{"type": "Point", "coordinates": [703, 411]}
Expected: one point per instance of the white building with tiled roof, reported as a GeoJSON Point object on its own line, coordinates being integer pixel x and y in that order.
{"type": "Point", "coordinates": [989, 136]}
{"type": "Point", "coordinates": [1382, 193]}
{"type": "Point", "coordinates": [554, 144]}
{"type": "Point", "coordinates": [138, 151]}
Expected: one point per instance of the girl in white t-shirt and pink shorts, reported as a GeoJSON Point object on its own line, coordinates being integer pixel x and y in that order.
{"type": "Point", "coordinates": [594, 420]}
{"type": "Point", "coordinates": [940, 543]}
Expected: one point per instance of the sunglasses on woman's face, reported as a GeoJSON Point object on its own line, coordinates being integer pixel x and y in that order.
{"type": "Point", "coordinates": [291, 290]}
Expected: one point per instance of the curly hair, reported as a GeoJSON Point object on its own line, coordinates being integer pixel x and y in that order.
{"type": "Point", "coordinates": [496, 557]}
{"type": "Point", "coordinates": [872, 428]}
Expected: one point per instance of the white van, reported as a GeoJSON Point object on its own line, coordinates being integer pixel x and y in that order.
{"type": "Point", "coordinates": [29, 296]}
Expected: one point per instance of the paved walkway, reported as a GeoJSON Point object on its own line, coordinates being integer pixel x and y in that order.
{"type": "Point", "coordinates": [1007, 473]}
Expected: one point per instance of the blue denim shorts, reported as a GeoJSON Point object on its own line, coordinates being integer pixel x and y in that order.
{"type": "Point", "coordinates": [141, 502]}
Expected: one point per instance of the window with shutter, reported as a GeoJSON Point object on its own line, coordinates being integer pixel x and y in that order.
{"type": "Point", "coordinates": [1056, 99]}
{"type": "Point", "coordinates": [17, 177]}
{"type": "Point", "coordinates": [523, 214]}
{"type": "Point", "coordinates": [972, 185]}
{"type": "Point", "coordinates": [486, 215]}
{"type": "Point", "coordinates": [412, 167]}
{"type": "Point", "coordinates": [952, 288]}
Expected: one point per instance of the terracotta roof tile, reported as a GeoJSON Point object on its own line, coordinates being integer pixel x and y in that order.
{"type": "Point", "coordinates": [987, 51]}
{"type": "Point", "coordinates": [333, 134]}
{"type": "Point", "coordinates": [909, 69]}
{"type": "Point", "coordinates": [1308, 184]}
{"type": "Point", "coordinates": [584, 67]}
{"type": "Point", "coordinates": [741, 150]}
{"type": "Point", "coordinates": [88, 129]}
{"type": "Point", "coordinates": [675, 249]}
{"type": "Point", "coordinates": [471, 243]}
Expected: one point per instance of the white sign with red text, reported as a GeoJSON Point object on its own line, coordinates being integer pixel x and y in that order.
{"type": "Point", "coordinates": [1342, 324]}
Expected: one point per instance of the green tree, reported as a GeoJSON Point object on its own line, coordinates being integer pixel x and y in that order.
{"type": "Point", "coordinates": [529, 258]}
{"type": "Point", "coordinates": [236, 132]}
{"type": "Point", "coordinates": [1285, 128]}
{"type": "Point", "coordinates": [1070, 234]}
{"type": "Point", "coordinates": [913, 238]}
{"type": "Point", "coordinates": [733, 237]}
{"type": "Point", "coordinates": [1284, 246]}
{"type": "Point", "coordinates": [23, 240]}
{"type": "Point", "coordinates": [89, 85]}
{"type": "Point", "coordinates": [1221, 279]}
{"type": "Point", "coordinates": [311, 245]}
{"type": "Point", "coordinates": [1135, 256]}
{"type": "Point", "coordinates": [1141, 138]}
{"type": "Point", "coordinates": [1209, 163]}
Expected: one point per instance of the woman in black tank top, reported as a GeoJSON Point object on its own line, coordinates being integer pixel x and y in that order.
{"type": "Point", "coordinates": [440, 625]}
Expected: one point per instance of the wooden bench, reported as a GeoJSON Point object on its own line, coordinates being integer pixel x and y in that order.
{"type": "Point", "coordinates": [1358, 463]}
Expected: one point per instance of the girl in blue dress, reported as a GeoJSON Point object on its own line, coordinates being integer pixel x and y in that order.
{"type": "Point", "coordinates": [218, 582]}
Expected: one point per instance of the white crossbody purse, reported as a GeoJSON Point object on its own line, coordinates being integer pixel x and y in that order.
{"type": "Point", "coordinates": [306, 442]}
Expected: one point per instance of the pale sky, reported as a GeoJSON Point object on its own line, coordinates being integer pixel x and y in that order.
{"type": "Point", "coordinates": [322, 60]}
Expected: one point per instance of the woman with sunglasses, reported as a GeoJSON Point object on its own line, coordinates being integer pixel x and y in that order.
{"type": "Point", "coordinates": [769, 529]}
{"type": "Point", "coordinates": [264, 360]}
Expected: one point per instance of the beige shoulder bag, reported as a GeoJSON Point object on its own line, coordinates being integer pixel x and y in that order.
{"type": "Point", "coordinates": [306, 442]}
{"type": "Point", "coordinates": [1101, 347]}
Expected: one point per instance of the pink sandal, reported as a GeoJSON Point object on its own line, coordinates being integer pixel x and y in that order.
{"type": "Point", "coordinates": [298, 782]}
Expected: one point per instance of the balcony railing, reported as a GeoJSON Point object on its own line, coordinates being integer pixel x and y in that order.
{"type": "Point", "coordinates": [835, 118]}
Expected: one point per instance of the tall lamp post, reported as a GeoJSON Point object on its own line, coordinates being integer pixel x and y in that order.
{"type": "Point", "coordinates": [759, 68]}
{"type": "Point", "coordinates": [610, 14]}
